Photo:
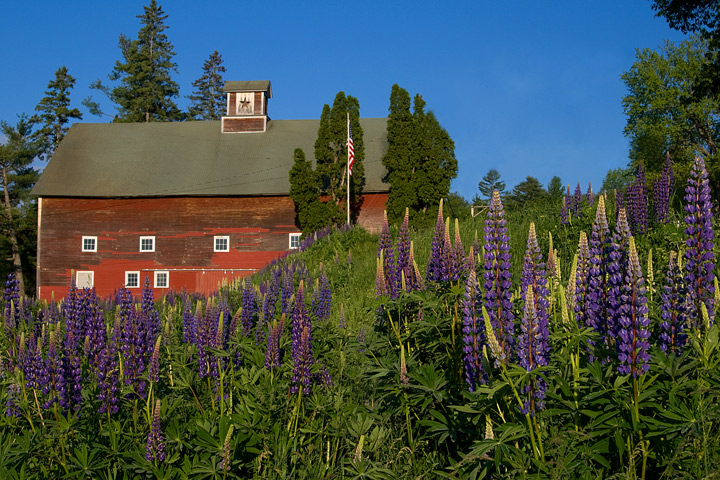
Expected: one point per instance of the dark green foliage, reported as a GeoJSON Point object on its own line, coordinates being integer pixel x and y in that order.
{"type": "Point", "coordinates": [617, 179]}
{"type": "Point", "coordinates": [18, 177]}
{"type": "Point", "coordinates": [555, 189]}
{"type": "Point", "coordinates": [207, 101]}
{"type": "Point", "coordinates": [54, 111]}
{"type": "Point", "coordinates": [420, 159]}
{"type": "Point", "coordinates": [491, 182]}
{"type": "Point", "coordinates": [666, 112]}
{"type": "Point", "coordinates": [146, 90]}
{"type": "Point", "coordinates": [456, 206]}
{"type": "Point", "coordinates": [528, 192]}
{"type": "Point", "coordinates": [312, 214]}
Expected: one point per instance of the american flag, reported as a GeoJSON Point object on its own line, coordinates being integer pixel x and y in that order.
{"type": "Point", "coordinates": [350, 149]}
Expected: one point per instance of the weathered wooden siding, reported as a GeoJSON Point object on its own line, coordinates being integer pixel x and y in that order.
{"type": "Point", "coordinates": [184, 229]}
{"type": "Point", "coordinates": [243, 124]}
{"type": "Point", "coordinates": [258, 104]}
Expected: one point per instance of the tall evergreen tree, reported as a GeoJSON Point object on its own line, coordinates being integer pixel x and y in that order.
{"type": "Point", "coordinates": [18, 176]}
{"type": "Point", "coordinates": [420, 159]}
{"type": "Point", "coordinates": [208, 99]}
{"type": "Point", "coordinates": [55, 112]}
{"type": "Point", "coordinates": [331, 151]}
{"type": "Point", "coordinates": [491, 182]}
{"type": "Point", "coordinates": [146, 89]}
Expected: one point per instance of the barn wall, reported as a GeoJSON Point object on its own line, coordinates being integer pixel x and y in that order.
{"type": "Point", "coordinates": [184, 230]}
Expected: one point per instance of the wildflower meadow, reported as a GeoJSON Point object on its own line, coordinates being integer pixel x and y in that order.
{"type": "Point", "coordinates": [578, 343]}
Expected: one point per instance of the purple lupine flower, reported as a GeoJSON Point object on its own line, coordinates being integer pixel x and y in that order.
{"type": "Point", "coordinates": [11, 298]}
{"type": "Point", "coordinates": [342, 323]}
{"type": "Point", "coordinates": [589, 196]}
{"type": "Point", "coordinates": [596, 296]}
{"type": "Point", "coordinates": [565, 210]}
{"type": "Point", "coordinates": [94, 328]}
{"type": "Point", "coordinates": [699, 257]}
{"type": "Point", "coordinates": [616, 273]}
{"type": "Point", "coordinates": [434, 270]}
{"type": "Point", "coordinates": [133, 343]}
{"type": "Point", "coordinates": [673, 337]}
{"type": "Point", "coordinates": [303, 360]}
{"type": "Point", "coordinates": [633, 334]}
{"type": "Point", "coordinates": [619, 202]}
{"type": "Point", "coordinates": [498, 286]}
{"type": "Point", "coordinates": [534, 276]}
{"type": "Point", "coordinates": [11, 406]}
{"type": "Point", "coordinates": [637, 199]}
{"type": "Point", "coordinates": [272, 353]}
{"type": "Point", "coordinates": [661, 191]}
{"type": "Point", "coordinates": [300, 320]}
{"type": "Point", "coordinates": [150, 316]}
{"type": "Point", "coordinates": [249, 309]}
{"type": "Point", "coordinates": [108, 374]}
{"type": "Point", "coordinates": [50, 377]}
{"type": "Point", "coordinates": [70, 378]}
{"type": "Point", "coordinates": [189, 327]}
{"type": "Point", "coordinates": [404, 265]}
{"type": "Point", "coordinates": [32, 363]}
{"type": "Point", "coordinates": [385, 252]}
{"type": "Point", "coordinates": [577, 203]}
{"type": "Point", "coordinates": [287, 290]}
{"type": "Point", "coordinates": [473, 334]}
{"type": "Point", "coordinates": [322, 304]}
{"type": "Point", "coordinates": [449, 264]}
{"type": "Point", "coordinates": [582, 305]}
{"type": "Point", "coordinates": [533, 352]}
{"type": "Point", "coordinates": [155, 446]}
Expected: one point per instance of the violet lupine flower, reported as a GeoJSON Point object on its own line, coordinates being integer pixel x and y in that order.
{"type": "Point", "coordinates": [150, 315]}
{"type": "Point", "coordinates": [11, 406]}
{"type": "Point", "coordinates": [597, 282]}
{"type": "Point", "coordinates": [661, 191]}
{"type": "Point", "coordinates": [577, 203]}
{"type": "Point", "coordinates": [32, 362]}
{"type": "Point", "coordinates": [564, 211]}
{"type": "Point", "coordinates": [533, 352]}
{"type": "Point", "coordinates": [616, 273]}
{"type": "Point", "coordinates": [633, 333]}
{"type": "Point", "coordinates": [322, 305]}
{"type": "Point", "coordinates": [11, 298]}
{"type": "Point", "coordinates": [189, 326]}
{"type": "Point", "coordinates": [133, 344]}
{"type": "Point", "coordinates": [672, 310]}
{"type": "Point", "coordinates": [498, 286]}
{"type": "Point", "coordinates": [582, 305]}
{"type": "Point", "coordinates": [473, 334]}
{"type": "Point", "coordinates": [70, 379]}
{"type": "Point", "coordinates": [303, 357]}
{"type": "Point", "coordinates": [435, 265]}
{"type": "Point", "coordinates": [404, 265]}
{"type": "Point", "coordinates": [385, 252]}
{"type": "Point", "coordinates": [108, 374]}
{"type": "Point", "coordinates": [272, 353]}
{"type": "Point", "coordinates": [637, 200]}
{"type": "Point", "coordinates": [50, 377]}
{"type": "Point", "coordinates": [287, 290]}
{"type": "Point", "coordinates": [449, 264]}
{"type": "Point", "coordinates": [249, 309]}
{"type": "Point", "coordinates": [699, 257]}
{"type": "Point", "coordinates": [534, 275]}
{"type": "Point", "coordinates": [590, 197]}
{"type": "Point", "coordinates": [155, 448]}
{"type": "Point", "coordinates": [619, 202]}
{"type": "Point", "coordinates": [95, 333]}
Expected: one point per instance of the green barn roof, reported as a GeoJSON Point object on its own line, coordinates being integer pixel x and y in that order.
{"type": "Point", "coordinates": [191, 159]}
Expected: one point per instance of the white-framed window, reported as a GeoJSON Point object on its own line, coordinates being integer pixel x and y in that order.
{"type": "Point", "coordinates": [162, 279]}
{"type": "Point", "coordinates": [245, 103]}
{"type": "Point", "coordinates": [147, 244]}
{"type": "Point", "coordinates": [222, 243]}
{"type": "Point", "coordinates": [132, 279]}
{"type": "Point", "coordinates": [294, 240]}
{"type": "Point", "coordinates": [84, 279]}
{"type": "Point", "coordinates": [89, 244]}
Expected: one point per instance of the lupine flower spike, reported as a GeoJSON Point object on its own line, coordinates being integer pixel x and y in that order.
{"type": "Point", "coordinates": [533, 351]}
{"type": "Point", "coordinates": [672, 311]}
{"type": "Point", "coordinates": [699, 257]}
{"type": "Point", "coordinates": [633, 335]}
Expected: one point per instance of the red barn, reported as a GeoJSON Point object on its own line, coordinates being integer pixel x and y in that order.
{"type": "Point", "coordinates": [187, 204]}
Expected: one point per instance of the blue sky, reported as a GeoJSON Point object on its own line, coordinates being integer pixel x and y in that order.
{"type": "Point", "coordinates": [525, 87]}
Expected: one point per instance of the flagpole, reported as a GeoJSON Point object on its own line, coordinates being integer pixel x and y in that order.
{"type": "Point", "coordinates": [347, 147]}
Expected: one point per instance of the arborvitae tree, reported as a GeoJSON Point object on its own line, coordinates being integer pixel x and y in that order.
{"type": "Point", "coordinates": [18, 176]}
{"type": "Point", "coordinates": [55, 112]}
{"type": "Point", "coordinates": [311, 213]}
{"type": "Point", "coordinates": [208, 99]}
{"type": "Point", "coordinates": [555, 189]}
{"type": "Point", "coordinates": [146, 89]}
{"type": "Point", "coordinates": [491, 182]}
{"type": "Point", "coordinates": [420, 159]}
{"type": "Point", "coordinates": [331, 151]}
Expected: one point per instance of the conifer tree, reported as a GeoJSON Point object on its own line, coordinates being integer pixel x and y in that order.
{"type": "Point", "coordinates": [18, 176]}
{"type": "Point", "coordinates": [55, 112]}
{"type": "Point", "coordinates": [491, 182]}
{"type": "Point", "coordinates": [146, 89]}
{"type": "Point", "coordinates": [208, 99]}
{"type": "Point", "coordinates": [311, 213]}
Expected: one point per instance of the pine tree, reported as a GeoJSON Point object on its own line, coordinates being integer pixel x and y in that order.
{"type": "Point", "coordinates": [331, 151]}
{"type": "Point", "coordinates": [146, 89]}
{"type": "Point", "coordinates": [18, 176]}
{"type": "Point", "coordinates": [55, 112]}
{"type": "Point", "coordinates": [420, 159]}
{"type": "Point", "coordinates": [490, 182]}
{"type": "Point", "coordinates": [208, 99]}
